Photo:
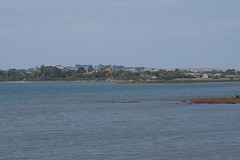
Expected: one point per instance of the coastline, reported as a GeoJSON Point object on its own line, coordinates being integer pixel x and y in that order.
{"type": "Point", "coordinates": [133, 81]}
{"type": "Point", "coordinates": [41, 81]}
{"type": "Point", "coordinates": [176, 81]}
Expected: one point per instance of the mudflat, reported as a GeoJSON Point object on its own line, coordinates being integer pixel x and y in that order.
{"type": "Point", "coordinates": [226, 100]}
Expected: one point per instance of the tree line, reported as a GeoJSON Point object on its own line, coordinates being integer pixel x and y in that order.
{"type": "Point", "coordinates": [53, 73]}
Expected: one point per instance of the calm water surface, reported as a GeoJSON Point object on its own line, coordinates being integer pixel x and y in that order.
{"type": "Point", "coordinates": [79, 121]}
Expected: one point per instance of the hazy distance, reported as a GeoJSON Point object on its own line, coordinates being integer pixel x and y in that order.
{"type": "Point", "coordinates": [154, 33]}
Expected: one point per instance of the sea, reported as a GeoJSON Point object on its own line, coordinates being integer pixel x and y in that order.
{"type": "Point", "coordinates": [97, 121]}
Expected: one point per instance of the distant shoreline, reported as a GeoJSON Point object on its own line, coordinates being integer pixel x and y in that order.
{"type": "Point", "coordinates": [176, 81]}
{"type": "Point", "coordinates": [132, 81]}
{"type": "Point", "coordinates": [39, 81]}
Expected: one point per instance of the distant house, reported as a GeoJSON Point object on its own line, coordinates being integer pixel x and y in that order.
{"type": "Point", "coordinates": [197, 75]}
{"type": "Point", "coordinates": [149, 76]}
{"type": "Point", "coordinates": [205, 76]}
{"type": "Point", "coordinates": [130, 69]}
{"type": "Point", "coordinates": [59, 67]}
{"type": "Point", "coordinates": [217, 75]}
{"type": "Point", "coordinates": [231, 76]}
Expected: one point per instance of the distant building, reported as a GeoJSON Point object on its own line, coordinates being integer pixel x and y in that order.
{"type": "Point", "coordinates": [118, 67]}
{"type": "Point", "coordinates": [149, 76]}
{"type": "Point", "coordinates": [231, 76]}
{"type": "Point", "coordinates": [130, 69]}
{"type": "Point", "coordinates": [196, 75]}
{"type": "Point", "coordinates": [205, 76]}
{"type": "Point", "coordinates": [217, 75]}
{"type": "Point", "coordinates": [60, 67]}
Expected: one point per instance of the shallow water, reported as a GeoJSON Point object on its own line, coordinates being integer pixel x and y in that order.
{"type": "Point", "coordinates": [79, 121]}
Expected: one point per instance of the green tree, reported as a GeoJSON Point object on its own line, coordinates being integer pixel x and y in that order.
{"type": "Point", "coordinates": [42, 68]}
{"type": "Point", "coordinates": [90, 69]}
{"type": "Point", "coordinates": [15, 75]}
{"type": "Point", "coordinates": [230, 71]}
{"type": "Point", "coordinates": [11, 74]}
{"type": "Point", "coordinates": [81, 70]}
{"type": "Point", "coordinates": [35, 74]}
{"type": "Point", "coordinates": [3, 75]}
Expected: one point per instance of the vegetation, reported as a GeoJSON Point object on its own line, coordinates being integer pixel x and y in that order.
{"type": "Point", "coordinates": [105, 73]}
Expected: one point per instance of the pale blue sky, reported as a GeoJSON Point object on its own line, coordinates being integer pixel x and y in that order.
{"type": "Point", "coordinates": [151, 33]}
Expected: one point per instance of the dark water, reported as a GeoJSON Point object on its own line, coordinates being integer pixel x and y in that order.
{"type": "Point", "coordinates": [79, 121]}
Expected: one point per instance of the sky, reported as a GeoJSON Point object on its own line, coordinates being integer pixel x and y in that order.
{"type": "Point", "coordinates": [149, 33]}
